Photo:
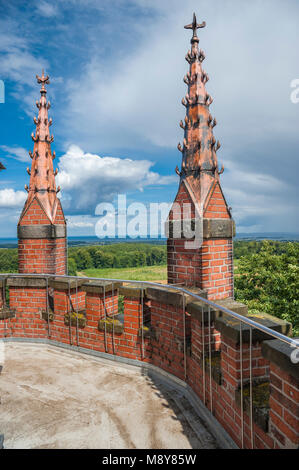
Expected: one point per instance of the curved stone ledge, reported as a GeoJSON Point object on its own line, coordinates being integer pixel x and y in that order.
{"type": "Point", "coordinates": [230, 327]}
{"type": "Point", "coordinates": [281, 354]}
{"type": "Point", "coordinates": [132, 292]}
{"type": "Point", "coordinates": [66, 283]}
{"type": "Point", "coordinates": [171, 296]}
{"type": "Point", "coordinates": [26, 282]}
{"type": "Point", "coordinates": [200, 310]}
{"type": "Point", "coordinates": [98, 287]}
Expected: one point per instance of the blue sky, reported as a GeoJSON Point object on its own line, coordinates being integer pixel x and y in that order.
{"type": "Point", "coordinates": [116, 70]}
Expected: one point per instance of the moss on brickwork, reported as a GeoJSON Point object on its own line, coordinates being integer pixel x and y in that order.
{"type": "Point", "coordinates": [215, 366]}
{"type": "Point", "coordinates": [6, 312]}
{"type": "Point", "coordinates": [76, 319]}
{"type": "Point", "coordinates": [146, 331]}
{"type": "Point", "coordinates": [48, 316]}
{"type": "Point", "coordinates": [110, 325]}
{"type": "Point", "coordinates": [260, 402]}
{"type": "Point", "coordinates": [260, 394]}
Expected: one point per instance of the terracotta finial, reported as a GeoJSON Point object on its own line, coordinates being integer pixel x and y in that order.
{"type": "Point", "coordinates": [44, 81]}
{"type": "Point", "coordinates": [42, 186]}
{"type": "Point", "coordinates": [199, 147]}
{"type": "Point", "coordinates": [194, 26]}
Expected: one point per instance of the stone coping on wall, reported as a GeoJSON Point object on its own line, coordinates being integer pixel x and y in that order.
{"type": "Point", "coordinates": [132, 292]}
{"type": "Point", "coordinates": [200, 311]}
{"type": "Point", "coordinates": [26, 282]}
{"type": "Point", "coordinates": [171, 296]}
{"type": "Point", "coordinates": [230, 327]}
{"type": "Point", "coordinates": [65, 283]}
{"type": "Point", "coordinates": [281, 354]}
{"type": "Point", "coordinates": [98, 287]}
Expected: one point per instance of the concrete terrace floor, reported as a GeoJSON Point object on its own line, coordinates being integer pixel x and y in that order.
{"type": "Point", "coordinates": [52, 398]}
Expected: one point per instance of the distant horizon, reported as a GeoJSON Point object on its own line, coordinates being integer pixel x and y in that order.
{"type": "Point", "coordinates": [276, 236]}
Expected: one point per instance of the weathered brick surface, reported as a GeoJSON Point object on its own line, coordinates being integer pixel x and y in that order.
{"type": "Point", "coordinates": [208, 267]}
{"type": "Point", "coordinates": [284, 410]}
{"type": "Point", "coordinates": [42, 256]}
{"type": "Point", "coordinates": [216, 207]}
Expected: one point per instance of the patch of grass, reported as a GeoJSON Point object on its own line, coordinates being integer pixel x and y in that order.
{"type": "Point", "coordinates": [142, 273]}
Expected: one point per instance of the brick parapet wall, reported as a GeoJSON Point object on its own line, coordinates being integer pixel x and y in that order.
{"type": "Point", "coordinates": [174, 342]}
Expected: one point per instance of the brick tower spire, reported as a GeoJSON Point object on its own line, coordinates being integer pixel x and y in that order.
{"type": "Point", "coordinates": [210, 266]}
{"type": "Point", "coordinates": [42, 226]}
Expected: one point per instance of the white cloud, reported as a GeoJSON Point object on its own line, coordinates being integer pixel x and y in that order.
{"type": "Point", "coordinates": [87, 179]}
{"type": "Point", "coordinates": [79, 224]}
{"type": "Point", "coordinates": [19, 153]}
{"type": "Point", "coordinates": [258, 200]}
{"type": "Point", "coordinates": [46, 9]}
{"type": "Point", "coordinates": [18, 61]}
{"type": "Point", "coordinates": [138, 95]}
{"type": "Point", "coordinates": [11, 198]}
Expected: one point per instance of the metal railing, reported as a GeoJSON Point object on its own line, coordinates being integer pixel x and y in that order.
{"type": "Point", "coordinates": [294, 343]}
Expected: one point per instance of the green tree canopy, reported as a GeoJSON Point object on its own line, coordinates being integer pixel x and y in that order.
{"type": "Point", "coordinates": [269, 282]}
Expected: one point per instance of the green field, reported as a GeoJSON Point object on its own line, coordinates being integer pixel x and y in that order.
{"type": "Point", "coordinates": [141, 273]}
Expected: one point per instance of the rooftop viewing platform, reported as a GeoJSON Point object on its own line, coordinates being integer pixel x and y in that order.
{"type": "Point", "coordinates": [229, 379]}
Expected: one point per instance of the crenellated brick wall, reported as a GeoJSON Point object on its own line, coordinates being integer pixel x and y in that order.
{"type": "Point", "coordinates": [199, 345]}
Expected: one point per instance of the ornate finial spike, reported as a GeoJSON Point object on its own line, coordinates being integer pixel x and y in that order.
{"type": "Point", "coordinates": [177, 171]}
{"type": "Point", "coordinates": [43, 80]}
{"type": "Point", "coordinates": [194, 26]}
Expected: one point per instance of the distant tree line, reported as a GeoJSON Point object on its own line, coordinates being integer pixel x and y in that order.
{"type": "Point", "coordinates": [245, 248]}
{"type": "Point", "coordinates": [125, 255]}
{"type": "Point", "coordinates": [118, 255]}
